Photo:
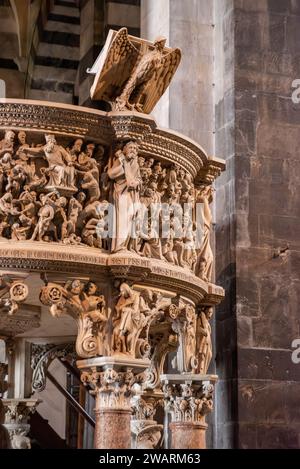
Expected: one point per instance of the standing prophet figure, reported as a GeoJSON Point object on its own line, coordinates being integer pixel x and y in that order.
{"type": "Point", "coordinates": [125, 173]}
{"type": "Point", "coordinates": [205, 258]}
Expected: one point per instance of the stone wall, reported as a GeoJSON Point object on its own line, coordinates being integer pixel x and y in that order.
{"type": "Point", "coordinates": [225, 319]}
{"type": "Point", "coordinates": [267, 171]}
{"type": "Point", "coordinates": [9, 71]}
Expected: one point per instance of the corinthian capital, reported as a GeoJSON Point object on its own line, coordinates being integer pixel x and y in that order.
{"type": "Point", "coordinates": [188, 398]}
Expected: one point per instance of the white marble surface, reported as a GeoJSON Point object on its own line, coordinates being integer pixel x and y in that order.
{"type": "Point", "coordinates": [188, 106]}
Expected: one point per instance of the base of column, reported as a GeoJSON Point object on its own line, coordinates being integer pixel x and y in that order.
{"type": "Point", "coordinates": [188, 435]}
{"type": "Point", "coordinates": [114, 422]}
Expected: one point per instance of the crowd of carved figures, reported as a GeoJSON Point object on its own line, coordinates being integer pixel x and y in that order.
{"type": "Point", "coordinates": [141, 322]}
{"type": "Point", "coordinates": [57, 194]}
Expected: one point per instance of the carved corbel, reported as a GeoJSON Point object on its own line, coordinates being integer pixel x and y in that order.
{"type": "Point", "coordinates": [82, 302]}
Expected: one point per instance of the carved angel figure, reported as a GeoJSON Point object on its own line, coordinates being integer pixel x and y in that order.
{"type": "Point", "coordinates": [135, 74]}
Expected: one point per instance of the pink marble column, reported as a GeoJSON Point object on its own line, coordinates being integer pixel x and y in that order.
{"type": "Point", "coordinates": [112, 379]}
{"type": "Point", "coordinates": [188, 435]}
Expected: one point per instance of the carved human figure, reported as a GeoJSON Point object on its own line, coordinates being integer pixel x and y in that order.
{"type": "Point", "coordinates": [125, 173]}
{"type": "Point", "coordinates": [94, 306]}
{"type": "Point", "coordinates": [7, 144]}
{"type": "Point", "coordinates": [129, 320]}
{"type": "Point", "coordinates": [91, 185]}
{"type": "Point", "coordinates": [75, 207]}
{"type": "Point", "coordinates": [204, 346]}
{"type": "Point", "coordinates": [88, 164]}
{"type": "Point", "coordinates": [60, 169]}
{"type": "Point", "coordinates": [15, 180]}
{"type": "Point", "coordinates": [44, 224]}
{"type": "Point", "coordinates": [204, 265]}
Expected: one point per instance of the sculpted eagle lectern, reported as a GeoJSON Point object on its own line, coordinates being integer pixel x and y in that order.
{"type": "Point", "coordinates": [133, 74]}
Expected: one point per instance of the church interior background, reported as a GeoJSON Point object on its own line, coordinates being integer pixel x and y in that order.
{"type": "Point", "coordinates": [140, 343]}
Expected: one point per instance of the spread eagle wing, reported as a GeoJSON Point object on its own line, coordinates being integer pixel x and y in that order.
{"type": "Point", "coordinates": [160, 81]}
{"type": "Point", "coordinates": [119, 63]}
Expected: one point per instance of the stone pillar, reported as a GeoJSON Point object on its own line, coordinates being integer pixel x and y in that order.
{"type": "Point", "coordinates": [113, 380]}
{"type": "Point", "coordinates": [188, 398]}
{"type": "Point", "coordinates": [16, 421]}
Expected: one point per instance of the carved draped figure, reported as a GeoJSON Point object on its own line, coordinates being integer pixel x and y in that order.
{"type": "Point", "coordinates": [126, 176]}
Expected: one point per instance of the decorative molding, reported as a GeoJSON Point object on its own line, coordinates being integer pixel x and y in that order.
{"type": "Point", "coordinates": [41, 358]}
{"type": "Point", "coordinates": [13, 292]}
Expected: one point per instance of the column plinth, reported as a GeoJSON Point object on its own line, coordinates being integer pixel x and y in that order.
{"type": "Point", "coordinates": [188, 398]}
{"type": "Point", "coordinates": [113, 380]}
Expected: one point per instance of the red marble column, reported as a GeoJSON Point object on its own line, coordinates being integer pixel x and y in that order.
{"type": "Point", "coordinates": [188, 435]}
{"type": "Point", "coordinates": [112, 380]}
{"type": "Point", "coordinates": [112, 429]}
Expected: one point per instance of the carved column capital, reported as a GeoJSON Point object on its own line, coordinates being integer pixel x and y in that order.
{"type": "Point", "coordinates": [146, 432]}
{"type": "Point", "coordinates": [188, 398]}
{"type": "Point", "coordinates": [16, 420]}
{"type": "Point", "coordinates": [114, 388]}
{"type": "Point", "coordinates": [112, 380]}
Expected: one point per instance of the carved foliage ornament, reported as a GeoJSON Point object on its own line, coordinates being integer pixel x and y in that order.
{"type": "Point", "coordinates": [41, 358]}
{"type": "Point", "coordinates": [188, 402]}
{"type": "Point", "coordinates": [113, 388]}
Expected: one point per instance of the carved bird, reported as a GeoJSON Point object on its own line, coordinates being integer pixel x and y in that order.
{"type": "Point", "coordinates": [134, 76]}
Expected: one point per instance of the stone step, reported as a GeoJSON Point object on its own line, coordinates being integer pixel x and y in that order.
{"type": "Point", "coordinates": [65, 75]}
{"type": "Point", "coordinates": [58, 51]}
{"type": "Point", "coordinates": [57, 97]}
{"type": "Point", "coordinates": [57, 62]}
{"type": "Point", "coordinates": [65, 10]}
{"type": "Point", "coordinates": [63, 19]}
{"type": "Point", "coordinates": [65, 3]}
{"type": "Point", "coordinates": [61, 38]}
{"type": "Point", "coordinates": [63, 27]}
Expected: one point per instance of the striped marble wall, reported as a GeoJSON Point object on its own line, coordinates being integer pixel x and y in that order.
{"type": "Point", "coordinates": [97, 18]}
